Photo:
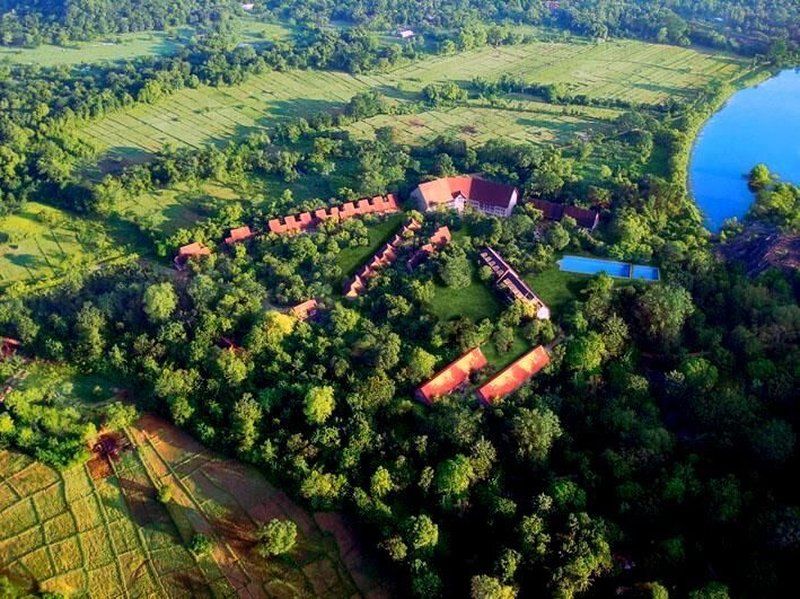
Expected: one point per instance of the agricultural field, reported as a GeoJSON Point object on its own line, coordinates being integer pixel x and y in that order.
{"type": "Point", "coordinates": [518, 121]}
{"type": "Point", "coordinates": [43, 243]}
{"type": "Point", "coordinates": [98, 529]}
{"type": "Point", "coordinates": [631, 70]}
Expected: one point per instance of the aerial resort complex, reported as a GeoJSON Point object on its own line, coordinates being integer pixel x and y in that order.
{"type": "Point", "coordinates": [452, 299]}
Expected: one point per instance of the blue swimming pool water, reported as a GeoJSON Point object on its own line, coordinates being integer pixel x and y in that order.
{"type": "Point", "coordinates": [622, 270]}
{"type": "Point", "coordinates": [648, 273]}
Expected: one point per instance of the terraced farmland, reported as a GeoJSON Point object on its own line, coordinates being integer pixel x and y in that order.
{"type": "Point", "coordinates": [623, 69]}
{"type": "Point", "coordinates": [99, 530]}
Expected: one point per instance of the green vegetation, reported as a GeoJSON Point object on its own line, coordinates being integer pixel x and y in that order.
{"type": "Point", "coordinates": [651, 452]}
{"type": "Point", "coordinates": [351, 258]}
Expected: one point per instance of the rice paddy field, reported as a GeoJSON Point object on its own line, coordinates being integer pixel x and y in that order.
{"type": "Point", "coordinates": [98, 529]}
{"type": "Point", "coordinates": [626, 69]}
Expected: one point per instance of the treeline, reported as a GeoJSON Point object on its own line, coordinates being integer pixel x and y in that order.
{"type": "Point", "coordinates": [777, 202]}
{"type": "Point", "coordinates": [33, 22]}
{"type": "Point", "coordinates": [739, 25]}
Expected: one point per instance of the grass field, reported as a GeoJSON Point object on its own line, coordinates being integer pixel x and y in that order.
{"type": "Point", "coordinates": [43, 243]}
{"type": "Point", "coordinates": [127, 46]}
{"type": "Point", "coordinates": [522, 121]}
{"type": "Point", "coordinates": [98, 529]}
{"type": "Point", "coordinates": [631, 70]}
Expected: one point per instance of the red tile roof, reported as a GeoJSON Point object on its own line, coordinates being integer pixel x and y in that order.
{"type": "Point", "coordinates": [589, 219]}
{"type": "Point", "coordinates": [8, 347]}
{"type": "Point", "coordinates": [239, 234]}
{"type": "Point", "coordinates": [438, 240]}
{"type": "Point", "coordinates": [192, 250]}
{"type": "Point", "coordinates": [442, 191]}
{"type": "Point", "coordinates": [513, 376]}
{"type": "Point", "coordinates": [383, 257]}
{"type": "Point", "coordinates": [452, 376]}
{"type": "Point", "coordinates": [297, 223]}
{"type": "Point", "coordinates": [305, 310]}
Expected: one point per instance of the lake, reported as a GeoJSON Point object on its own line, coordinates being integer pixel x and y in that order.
{"type": "Point", "coordinates": [758, 124]}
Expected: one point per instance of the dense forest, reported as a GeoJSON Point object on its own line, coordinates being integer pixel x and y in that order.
{"type": "Point", "coordinates": [32, 22]}
{"type": "Point", "coordinates": [649, 459]}
{"type": "Point", "coordinates": [739, 25]}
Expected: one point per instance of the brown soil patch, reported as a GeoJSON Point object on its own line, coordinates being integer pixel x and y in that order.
{"type": "Point", "coordinates": [469, 130]}
{"type": "Point", "coordinates": [416, 123]}
{"type": "Point", "coordinates": [228, 500]}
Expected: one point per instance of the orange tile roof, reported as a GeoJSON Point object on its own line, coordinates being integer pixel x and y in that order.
{"type": "Point", "coordinates": [383, 257]}
{"type": "Point", "coordinates": [239, 234]}
{"type": "Point", "coordinates": [452, 376]}
{"type": "Point", "coordinates": [513, 376]}
{"type": "Point", "coordinates": [305, 310]}
{"type": "Point", "coordinates": [194, 249]}
{"type": "Point", "coordinates": [441, 191]}
{"type": "Point", "coordinates": [8, 347]}
{"type": "Point", "coordinates": [439, 239]}
{"type": "Point", "coordinates": [296, 223]}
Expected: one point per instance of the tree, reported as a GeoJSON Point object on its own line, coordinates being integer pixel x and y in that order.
{"type": "Point", "coordinates": [421, 532]}
{"type": "Point", "coordinates": [160, 301]}
{"type": "Point", "coordinates": [245, 422]}
{"type": "Point", "coordinates": [319, 404]}
{"type": "Point", "coordinates": [488, 587]}
{"type": "Point", "coordinates": [165, 494]}
{"type": "Point", "coordinates": [585, 352]}
{"type": "Point", "coordinates": [200, 545]}
{"type": "Point", "coordinates": [662, 311]}
{"type": "Point", "coordinates": [454, 477]}
{"type": "Point", "coordinates": [583, 553]}
{"type": "Point", "coordinates": [454, 269]}
{"type": "Point", "coordinates": [381, 482]}
{"type": "Point", "coordinates": [760, 177]}
{"type": "Point", "coordinates": [420, 365]}
{"type": "Point", "coordinates": [120, 415]}
{"type": "Point", "coordinates": [277, 537]}
{"type": "Point", "coordinates": [534, 431]}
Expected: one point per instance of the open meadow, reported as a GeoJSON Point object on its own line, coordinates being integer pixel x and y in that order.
{"type": "Point", "coordinates": [623, 69]}
{"type": "Point", "coordinates": [42, 243]}
{"type": "Point", "coordinates": [128, 46]}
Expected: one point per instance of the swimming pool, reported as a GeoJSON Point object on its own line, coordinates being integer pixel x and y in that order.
{"type": "Point", "coordinates": [622, 270]}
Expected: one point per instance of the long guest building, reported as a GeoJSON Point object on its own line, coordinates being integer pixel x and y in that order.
{"type": "Point", "coordinates": [451, 377]}
{"type": "Point", "coordinates": [458, 193]}
{"type": "Point", "coordinates": [513, 376]}
{"type": "Point", "coordinates": [511, 285]}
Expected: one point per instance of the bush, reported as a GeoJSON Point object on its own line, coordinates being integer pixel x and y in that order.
{"type": "Point", "coordinates": [276, 537]}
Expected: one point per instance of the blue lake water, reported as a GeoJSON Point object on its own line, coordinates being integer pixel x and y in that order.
{"type": "Point", "coordinates": [758, 124]}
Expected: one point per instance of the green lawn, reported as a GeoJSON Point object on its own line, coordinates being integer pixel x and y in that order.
{"type": "Point", "coordinates": [476, 302]}
{"type": "Point", "coordinates": [351, 258]}
{"type": "Point", "coordinates": [41, 243]}
{"type": "Point", "coordinates": [556, 288]}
